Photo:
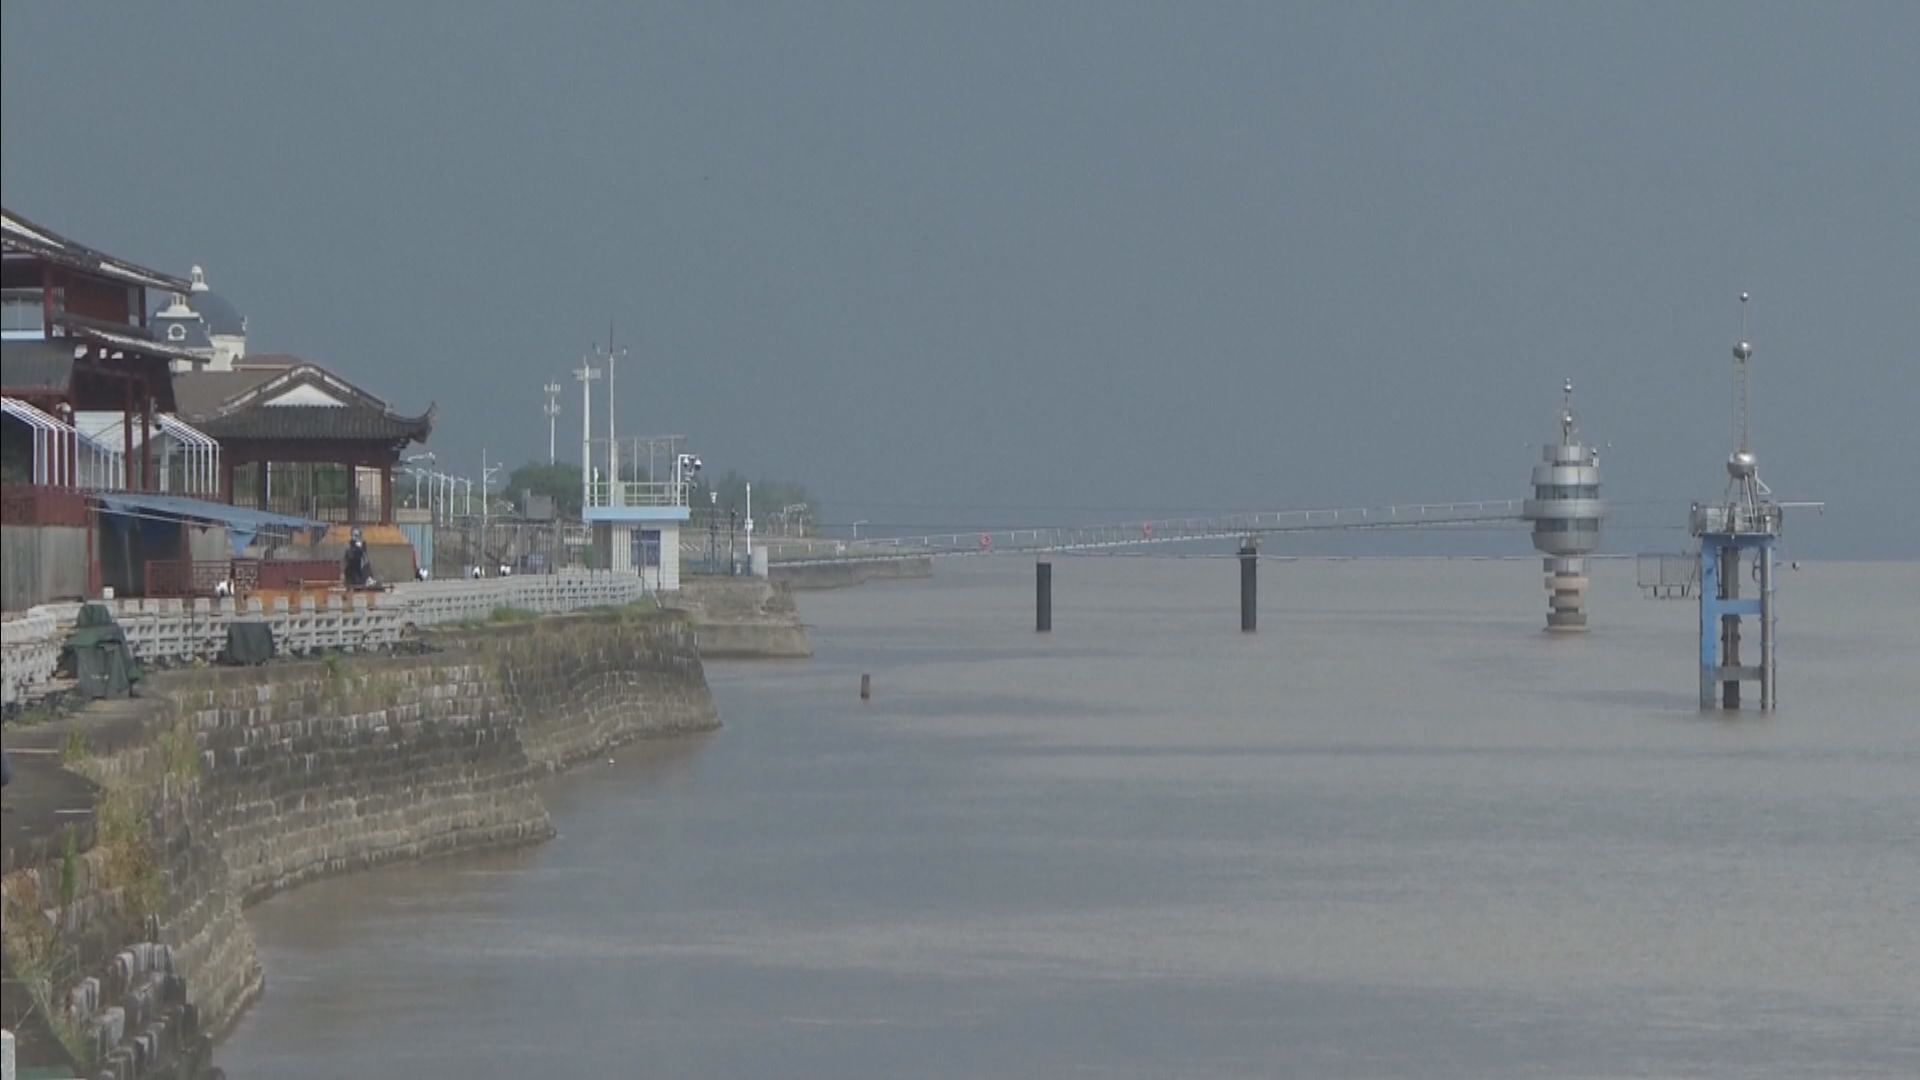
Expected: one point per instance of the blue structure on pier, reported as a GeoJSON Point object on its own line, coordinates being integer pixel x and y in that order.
{"type": "Point", "coordinates": [1736, 543]}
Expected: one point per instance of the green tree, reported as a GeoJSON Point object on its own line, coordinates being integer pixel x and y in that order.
{"type": "Point", "coordinates": [560, 480]}
{"type": "Point", "coordinates": [768, 497]}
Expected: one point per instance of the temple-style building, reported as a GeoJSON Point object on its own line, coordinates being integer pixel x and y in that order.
{"type": "Point", "coordinates": [143, 450]}
{"type": "Point", "coordinates": [298, 439]}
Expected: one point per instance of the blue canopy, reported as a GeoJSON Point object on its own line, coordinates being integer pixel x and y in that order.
{"type": "Point", "coordinates": [242, 523]}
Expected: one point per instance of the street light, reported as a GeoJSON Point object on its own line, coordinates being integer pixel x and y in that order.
{"type": "Point", "coordinates": [417, 473]}
{"type": "Point", "coordinates": [713, 531]}
{"type": "Point", "coordinates": [552, 409]}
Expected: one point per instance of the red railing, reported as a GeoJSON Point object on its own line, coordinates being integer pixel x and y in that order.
{"type": "Point", "coordinates": [37, 504]}
{"type": "Point", "coordinates": [295, 573]}
{"type": "Point", "coordinates": [202, 577]}
{"type": "Point", "coordinates": [191, 577]}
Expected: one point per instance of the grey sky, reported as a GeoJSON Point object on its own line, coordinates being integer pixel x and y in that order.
{"type": "Point", "coordinates": [993, 256]}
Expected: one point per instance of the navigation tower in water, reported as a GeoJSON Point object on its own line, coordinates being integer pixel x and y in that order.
{"type": "Point", "coordinates": [1566, 512]}
{"type": "Point", "coordinates": [1736, 542]}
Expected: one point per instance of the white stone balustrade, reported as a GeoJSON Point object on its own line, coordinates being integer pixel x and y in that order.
{"type": "Point", "coordinates": [29, 651]}
{"type": "Point", "coordinates": [182, 630]}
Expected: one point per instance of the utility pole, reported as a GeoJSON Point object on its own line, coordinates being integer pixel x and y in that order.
{"type": "Point", "coordinates": [486, 479]}
{"type": "Point", "coordinates": [749, 528]}
{"type": "Point", "coordinates": [586, 374]}
{"type": "Point", "coordinates": [552, 409]}
{"type": "Point", "coordinates": [613, 446]}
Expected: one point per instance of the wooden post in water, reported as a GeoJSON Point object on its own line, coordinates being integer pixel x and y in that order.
{"type": "Point", "coordinates": [1043, 597]}
{"type": "Point", "coordinates": [866, 687]}
{"type": "Point", "coordinates": [1249, 587]}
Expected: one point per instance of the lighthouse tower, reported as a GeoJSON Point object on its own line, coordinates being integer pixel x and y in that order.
{"type": "Point", "coordinates": [1566, 512]}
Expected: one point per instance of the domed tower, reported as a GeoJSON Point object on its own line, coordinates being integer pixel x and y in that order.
{"type": "Point", "coordinates": [181, 327]}
{"type": "Point", "coordinates": [226, 327]}
{"type": "Point", "coordinates": [1566, 512]}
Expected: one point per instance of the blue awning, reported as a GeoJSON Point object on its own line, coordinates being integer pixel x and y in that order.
{"type": "Point", "coordinates": [241, 522]}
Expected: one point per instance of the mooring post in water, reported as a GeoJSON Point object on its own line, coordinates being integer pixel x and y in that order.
{"type": "Point", "coordinates": [866, 687]}
{"type": "Point", "coordinates": [1043, 597]}
{"type": "Point", "coordinates": [1249, 587]}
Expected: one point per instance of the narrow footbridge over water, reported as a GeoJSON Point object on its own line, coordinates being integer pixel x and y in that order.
{"type": "Point", "coordinates": [1139, 533]}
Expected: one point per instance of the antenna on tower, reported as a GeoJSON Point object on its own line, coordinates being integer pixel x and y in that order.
{"type": "Point", "coordinates": [1742, 352]}
{"type": "Point", "coordinates": [1744, 489]}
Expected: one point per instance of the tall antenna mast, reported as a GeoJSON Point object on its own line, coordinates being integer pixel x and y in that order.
{"type": "Point", "coordinates": [552, 411]}
{"type": "Point", "coordinates": [613, 446]}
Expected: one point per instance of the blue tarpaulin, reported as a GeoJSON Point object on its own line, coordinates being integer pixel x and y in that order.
{"type": "Point", "coordinates": [242, 523]}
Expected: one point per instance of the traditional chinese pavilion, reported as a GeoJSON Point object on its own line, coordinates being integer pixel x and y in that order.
{"type": "Point", "coordinates": [298, 439]}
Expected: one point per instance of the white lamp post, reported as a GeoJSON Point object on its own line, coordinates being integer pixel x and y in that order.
{"type": "Point", "coordinates": [586, 373]}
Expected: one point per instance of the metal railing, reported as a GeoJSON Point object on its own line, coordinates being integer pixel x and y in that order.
{"type": "Point", "coordinates": [602, 493]}
{"type": "Point", "coordinates": [1760, 520]}
{"type": "Point", "coordinates": [1158, 531]}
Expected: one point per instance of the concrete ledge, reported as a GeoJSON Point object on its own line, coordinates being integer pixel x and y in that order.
{"type": "Point", "coordinates": [840, 575]}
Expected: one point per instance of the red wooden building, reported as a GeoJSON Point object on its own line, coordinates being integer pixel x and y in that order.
{"type": "Point", "coordinates": [73, 339]}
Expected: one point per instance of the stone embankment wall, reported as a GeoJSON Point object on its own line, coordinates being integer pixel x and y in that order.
{"type": "Point", "coordinates": [743, 618]}
{"type": "Point", "coordinates": [840, 575]}
{"type": "Point", "coordinates": [257, 780]}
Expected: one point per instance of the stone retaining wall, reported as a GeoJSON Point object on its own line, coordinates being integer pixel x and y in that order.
{"type": "Point", "coordinates": [256, 780]}
{"type": "Point", "coordinates": [743, 618]}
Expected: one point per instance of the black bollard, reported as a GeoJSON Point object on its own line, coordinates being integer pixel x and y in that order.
{"type": "Point", "coordinates": [1043, 597]}
{"type": "Point", "coordinates": [1249, 588]}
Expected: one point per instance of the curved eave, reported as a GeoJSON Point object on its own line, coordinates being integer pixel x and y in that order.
{"type": "Point", "coordinates": [17, 234]}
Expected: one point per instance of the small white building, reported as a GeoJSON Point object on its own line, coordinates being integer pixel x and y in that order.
{"type": "Point", "coordinates": [636, 527]}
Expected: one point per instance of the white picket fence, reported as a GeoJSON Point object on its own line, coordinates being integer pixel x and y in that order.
{"type": "Point", "coordinates": [179, 630]}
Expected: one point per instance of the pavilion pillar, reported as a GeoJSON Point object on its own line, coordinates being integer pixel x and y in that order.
{"type": "Point", "coordinates": [260, 482]}
{"type": "Point", "coordinates": [226, 479]}
{"type": "Point", "coordinates": [126, 436]}
{"type": "Point", "coordinates": [146, 436]}
{"type": "Point", "coordinates": [386, 492]}
{"type": "Point", "coordinates": [353, 495]}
